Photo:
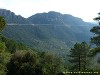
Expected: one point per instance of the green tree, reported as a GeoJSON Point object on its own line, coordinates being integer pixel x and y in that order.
{"type": "Point", "coordinates": [96, 39]}
{"type": "Point", "coordinates": [51, 64]}
{"type": "Point", "coordinates": [22, 63]}
{"type": "Point", "coordinates": [78, 56]}
{"type": "Point", "coordinates": [2, 47]}
{"type": "Point", "coordinates": [96, 31]}
{"type": "Point", "coordinates": [2, 23]}
{"type": "Point", "coordinates": [4, 56]}
{"type": "Point", "coordinates": [11, 45]}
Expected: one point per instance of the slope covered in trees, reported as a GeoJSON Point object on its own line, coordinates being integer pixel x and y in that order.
{"type": "Point", "coordinates": [56, 38]}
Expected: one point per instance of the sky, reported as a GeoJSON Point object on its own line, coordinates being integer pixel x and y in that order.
{"type": "Point", "coordinates": [85, 9]}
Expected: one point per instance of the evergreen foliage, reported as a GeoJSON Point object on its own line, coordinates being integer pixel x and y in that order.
{"type": "Point", "coordinates": [96, 40]}
{"type": "Point", "coordinates": [78, 56]}
{"type": "Point", "coordinates": [29, 63]}
{"type": "Point", "coordinates": [2, 23]}
{"type": "Point", "coordinates": [22, 63]}
{"type": "Point", "coordinates": [96, 31]}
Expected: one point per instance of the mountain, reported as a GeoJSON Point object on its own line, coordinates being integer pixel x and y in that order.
{"type": "Point", "coordinates": [53, 17]}
{"type": "Point", "coordinates": [10, 17]}
{"type": "Point", "coordinates": [52, 31]}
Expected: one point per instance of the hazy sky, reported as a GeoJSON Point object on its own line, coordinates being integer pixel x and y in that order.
{"type": "Point", "coordinates": [85, 9]}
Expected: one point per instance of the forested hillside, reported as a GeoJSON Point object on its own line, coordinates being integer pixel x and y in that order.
{"type": "Point", "coordinates": [48, 37]}
{"type": "Point", "coordinates": [50, 31]}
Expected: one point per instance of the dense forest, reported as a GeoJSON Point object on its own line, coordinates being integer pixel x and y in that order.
{"type": "Point", "coordinates": [19, 59]}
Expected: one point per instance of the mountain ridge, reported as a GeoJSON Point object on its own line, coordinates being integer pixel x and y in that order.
{"type": "Point", "coordinates": [50, 17]}
{"type": "Point", "coordinates": [53, 17]}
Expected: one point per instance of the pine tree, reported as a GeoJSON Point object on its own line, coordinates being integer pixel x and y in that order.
{"type": "Point", "coordinates": [96, 38]}
{"type": "Point", "coordinates": [96, 31]}
{"type": "Point", "coordinates": [78, 56]}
